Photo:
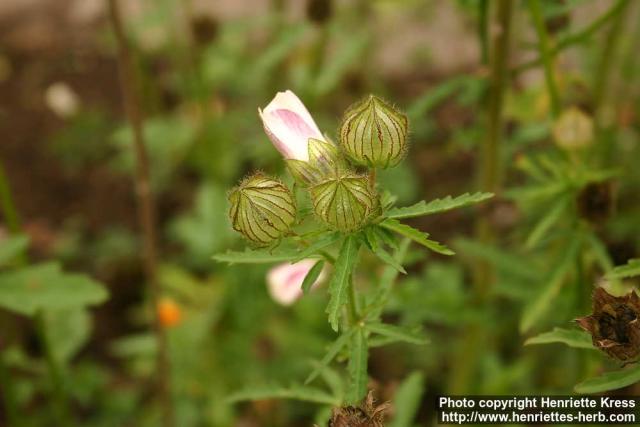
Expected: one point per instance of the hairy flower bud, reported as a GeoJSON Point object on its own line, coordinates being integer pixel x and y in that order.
{"type": "Point", "coordinates": [573, 129]}
{"type": "Point", "coordinates": [614, 324]}
{"type": "Point", "coordinates": [324, 161]}
{"type": "Point", "coordinates": [374, 134]}
{"type": "Point", "coordinates": [262, 209]}
{"type": "Point", "coordinates": [344, 202]}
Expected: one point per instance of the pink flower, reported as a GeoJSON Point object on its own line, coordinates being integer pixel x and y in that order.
{"type": "Point", "coordinates": [289, 125]}
{"type": "Point", "coordinates": [284, 281]}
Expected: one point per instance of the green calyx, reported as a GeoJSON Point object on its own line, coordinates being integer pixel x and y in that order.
{"type": "Point", "coordinates": [324, 161]}
{"type": "Point", "coordinates": [374, 134]}
{"type": "Point", "coordinates": [345, 203]}
{"type": "Point", "coordinates": [262, 208]}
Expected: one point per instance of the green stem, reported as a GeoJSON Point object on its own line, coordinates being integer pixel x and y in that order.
{"type": "Point", "coordinates": [55, 373]}
{"type": "Point", "coordinates": [483, 33]}
{"type": "Point", "coordinates": [354, 310]}
{"type": "Point", "coordinates": [578, 37]}
{"type": "Point", "coordinates": [610, 48]}
{"type": "Point", "coordinates": [545, 54]}
{"type": "Point", "coordinates": [8, 394]}
{"type": "Point", "coordinates": [9, 210]}
{"type": "Point", "coordinates": [490, 179]}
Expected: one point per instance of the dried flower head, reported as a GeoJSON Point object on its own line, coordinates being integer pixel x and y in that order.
{"type": "Point", "coordinates": [365, 415]}
{"type": "Point", "coordinates": [345, 203]}
{"type": "Point", "coordinates": [262, 208]}
{"type": "Point", "coordinates": [374, 134]}
{"type": "Point", "coordinates": [573, 130]}
{"type": "Point", "coordinates": [614, 325]}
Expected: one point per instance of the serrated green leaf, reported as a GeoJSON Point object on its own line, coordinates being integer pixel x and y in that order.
{"type": "Point", "coordinates": [312, 276]}
{"type": "Point", "coordinates": [397, 333]}
{"type": "Point", "coordinates": [610, 381]}
{"type": "Point", "coordinates": [416, 235]}
{"type": "Point", "coordinates": [407, 400]}
{"type": "Point", "coordinates": [260, 256]}
{"type": "Point", "coordinates": [46, 286]}
{"type": "Point", "coordinates": [438, 205]}
{"type": "Point", "coordinates": [359, 353]}
{"type": "Point", "coordinates": [387, 278]}
{"type": "Point", "coordinates": [318, 245]}
{"type": "Point", "coordinates": [388, 259]}
{"type": "Point", "coordinates": [631, 269]}
{"type": "Point", "coordinates": [295, 392]}
{"type": "Point", "coordinates": [543, 301]}
{"type": "Point", "coordinates": [332, 352]}
{"type": "Point", "coordinates": [12, 247]}
{"type": "Point", "coordinates": [339, 283]}
{"type": "Point", "coordinates": [571, 337]}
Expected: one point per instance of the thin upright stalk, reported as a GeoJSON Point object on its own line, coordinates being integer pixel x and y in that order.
{"type": "Point", "coordinates": [8, 393]}
{"type": "Point", "coordinates": [579, 37]}
{"type": "Point", "coordinates": [545, 54]}
{"type": "Point", "coordinates": [55, 372]}
{"type": "Point", "coordinates": [490, 179]}
{"type": "Point", "coordinates": [146, 209]}
{"type": "Point", "coordinates": [491, 168]}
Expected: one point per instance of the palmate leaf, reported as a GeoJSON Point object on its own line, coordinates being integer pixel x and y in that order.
{"type": "Point", "coordinates": [571, 337]}
{"type": "Point", "coordinates": [438, 205]}
{"type": "Point", "coordinates": [45, 286]}
{"type": "Point", "coordinates": [388, 259]}
{"type": "Point", "coordinates": [548, 220]}
{"type": "Point", "coordinates": [610, 381]}
{"type": "Point", "coordinates": [339, 283]}
{"type": "Point", "coordinates": [397, 333]}
{"type": "Point", "coordinates": [415, 235]}
{"type": "Point", "coordinates": [294, 392]}
{"type": "Point", "coordinates": [359, 353]}
{"type": "Point", "coordinates": [631, 269]}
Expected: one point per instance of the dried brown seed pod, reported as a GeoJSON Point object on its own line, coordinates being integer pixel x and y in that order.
{"type": "Point", "coordinates": [614, 324]}
{"type": "Point", "coordinates": [368, 414]}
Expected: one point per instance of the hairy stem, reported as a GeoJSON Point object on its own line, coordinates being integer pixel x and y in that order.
{"type": "Point", "coordinates": [146, 209]}
{"type": "Point", "coordinates": [545, 54]}
{"type": "Point", "coordinates": [490, 179]}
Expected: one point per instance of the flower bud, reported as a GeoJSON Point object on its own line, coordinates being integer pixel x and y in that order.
{"type": "Point", "coordinates": [573, 130]}
{"type": "Point", "coordinates": [614, 324]}
{"type": "Point", "coordinates": [262, 209]}
{"type": "Point", "coordinates": [289, 125]}
{"type": "Point", "coordinates": [374, 134]}
{"type": "Point", "coordinates": [345, 203]}
{"type": "Point", "coordinates": [324, 161]}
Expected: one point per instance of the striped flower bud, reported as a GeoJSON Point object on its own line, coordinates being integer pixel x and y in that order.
{"type": "Point", "coordinates": [573, 130]}
{"type": "Point", "coordinates": [374, 134]}
{"type": "Point", "coordinates": [324, 161]}
{"type": "Point", "coordinates": [262, 209]}
{"type": "Point", "coordinates": [345, 203]}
